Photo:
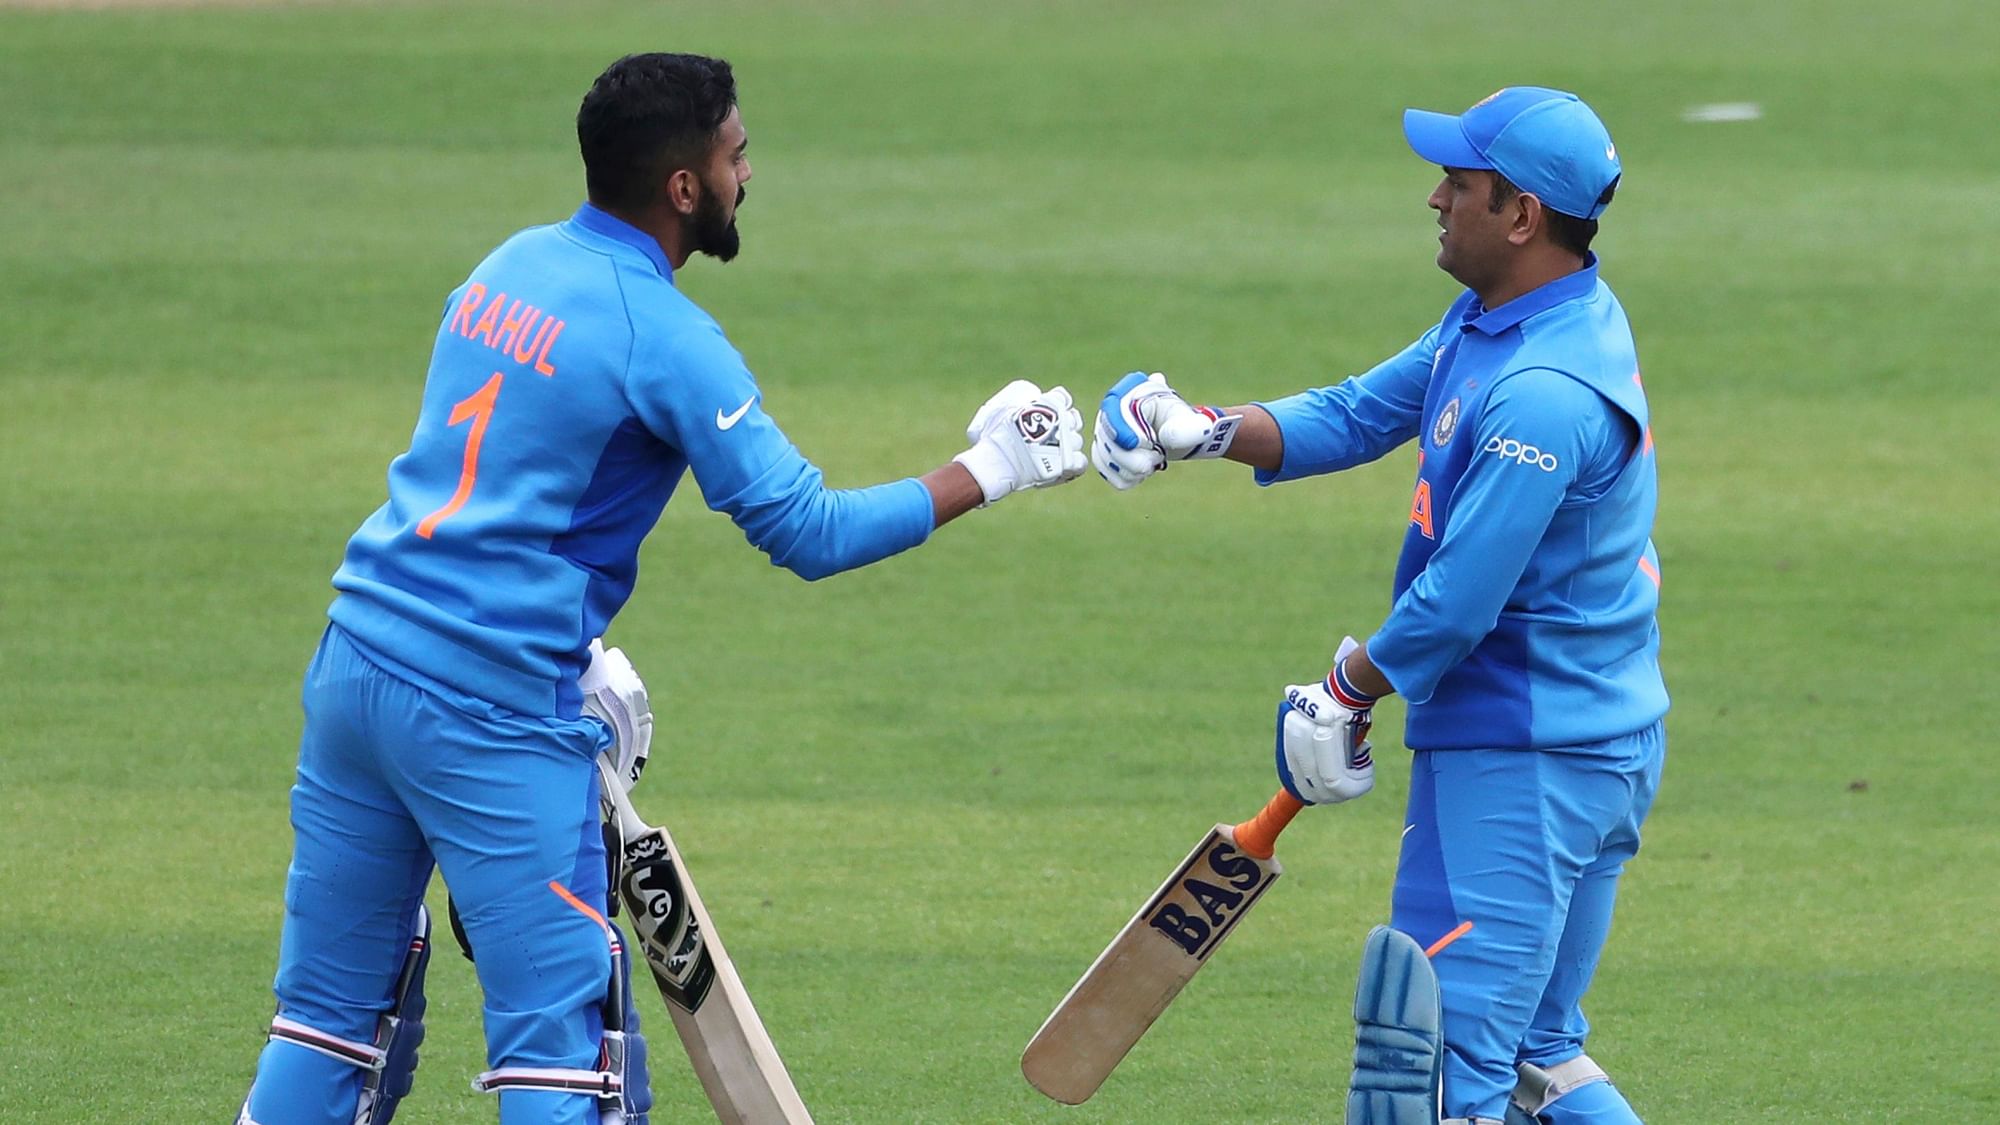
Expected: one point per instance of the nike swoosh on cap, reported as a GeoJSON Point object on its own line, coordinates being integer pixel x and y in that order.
{"type": "Point", "coordinates": [725, 421]}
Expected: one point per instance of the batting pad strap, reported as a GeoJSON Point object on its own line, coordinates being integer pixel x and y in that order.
{"type": "Point", "coordinates": [1540, 1086]}
{"type": "Point", "coordinates": [560, 1080]}
{"type": "Point", "coordinates": [367, 1056]}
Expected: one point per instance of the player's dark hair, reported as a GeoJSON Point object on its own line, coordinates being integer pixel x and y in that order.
{"type": "Point", "coordinates": [646, 117]}
{"type": "Point", "coordinates": [1567, 231]}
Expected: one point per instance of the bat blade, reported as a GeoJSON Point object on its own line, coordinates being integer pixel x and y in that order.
{"type": "Point", "coordinates": [673, 938]}
{"type": "Point", "coordinates": [731, 1052]}
{"type": "Point", "coordinates": [1154, 956]}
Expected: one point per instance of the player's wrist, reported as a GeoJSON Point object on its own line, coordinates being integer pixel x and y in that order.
{"type": "Point", "coordinates": [1221, 434]}
{"type": "Point", "coordinates": [1344, 692]}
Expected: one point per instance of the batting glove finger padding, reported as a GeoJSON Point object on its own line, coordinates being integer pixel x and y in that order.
{"type": "Point", "coordinates": [1016, 394]}
{"type": "Point", "coordinates": [1323, 753]}
{"type": "Point", "coordinates": [1123, 467]}
{"type": "Point", "coordinates": [1024, 438]}
{"type": "Point", "coordinates": [1142, 423]}
{"type": "Point", "coordinates": [1322, 763]}
{"type": "Point", "coordinates": [614, 693]}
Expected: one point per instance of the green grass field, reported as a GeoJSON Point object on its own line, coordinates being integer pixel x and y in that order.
{"type": "Point", "coordinates": [920, 797]}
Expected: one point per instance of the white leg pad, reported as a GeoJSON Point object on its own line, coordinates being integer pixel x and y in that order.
{"type": "Point", "coordinates": [1398, 1034]}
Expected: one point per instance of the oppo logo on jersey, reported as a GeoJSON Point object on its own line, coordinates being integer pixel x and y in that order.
{"type": "Point", "coordinates": [1511, 450]}
{"type": "Point", "coordinates": [1201, 903]}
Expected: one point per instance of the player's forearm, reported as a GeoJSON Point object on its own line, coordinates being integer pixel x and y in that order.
{"type": "Point", "coordinates": [953, 492]}
{"type": "Point", "coordinates": [815, 531]}
{"type": "Point", "coordinates": [1447, 611]}
{"type": "Point", "coordinates": [1259, 443]}
{"type": "Point", "coordinates": [1363, 674]}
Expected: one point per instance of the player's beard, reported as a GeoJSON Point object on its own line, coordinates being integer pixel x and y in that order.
{"type": "Point", "coordinates": [711, 231]}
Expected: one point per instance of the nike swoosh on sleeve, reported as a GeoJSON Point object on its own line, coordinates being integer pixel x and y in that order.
{"type": "Point", "coordinates": [725, 421]}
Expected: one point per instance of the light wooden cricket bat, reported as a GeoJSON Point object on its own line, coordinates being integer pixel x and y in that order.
{"type": "Point", "coordinates": [1164, 944]}
{"type": "Point", "coordinates": [732, 1054]}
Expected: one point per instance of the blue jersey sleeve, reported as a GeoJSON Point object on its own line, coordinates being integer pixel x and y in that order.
{"type": "Point", "coordinates": [698, 396]}
{"type": "Point", "coordinates": [1355, 421]}
{"type": "Point", "coordinates": [1539, 435]}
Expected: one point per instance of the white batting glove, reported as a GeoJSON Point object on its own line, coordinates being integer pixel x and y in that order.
{"type": "Point", "coordinates": [1323, 748]}
{"type": "Point", "coordinates": [1024, 437]}
{"type": "Point", "coordinates": [613, 692]}
{"type": "Point", "coordinates": [1142, 424]}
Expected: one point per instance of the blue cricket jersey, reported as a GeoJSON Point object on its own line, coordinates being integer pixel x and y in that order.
{"type": "Point", "coordinates": [570, 386]}
{"type": "Point", "coordinates": [1525, 596]}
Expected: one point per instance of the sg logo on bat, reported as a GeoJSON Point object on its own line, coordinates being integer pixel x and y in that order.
{"type": "Point", "coordinates": [1198, 907]}
{"type": "Point", "coordinates": [668, 933]}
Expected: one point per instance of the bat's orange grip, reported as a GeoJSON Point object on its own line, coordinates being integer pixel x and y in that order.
{"type": "Point", "coordinates": [1258, 836]}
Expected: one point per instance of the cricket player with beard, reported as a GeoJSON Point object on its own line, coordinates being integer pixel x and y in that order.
{"type": "Point", "coordinates": [1522, 629]}
{"type": "Point", "coordinates": [454, 715]}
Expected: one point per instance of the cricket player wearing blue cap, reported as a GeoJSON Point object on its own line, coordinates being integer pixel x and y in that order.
{"type": "Point", "coordinates": [450, 723]}
{"type": "Point", "coordinates": [1522, 628]}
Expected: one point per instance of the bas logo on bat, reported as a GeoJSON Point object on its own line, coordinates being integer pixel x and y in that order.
{"type": "Point", "coordinates": [672, 942]}
{"type": "Point", "coordinates": [1159, 950]}
{"type": "Point", "coordinates": [1198, 906]}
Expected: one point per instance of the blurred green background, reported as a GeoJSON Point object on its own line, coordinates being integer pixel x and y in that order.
{"type": "Point", "coordinates": [919, 798]}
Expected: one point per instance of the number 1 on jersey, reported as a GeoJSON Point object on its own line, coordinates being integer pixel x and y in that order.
{"type": "Point", "coordinates": [477, 406]}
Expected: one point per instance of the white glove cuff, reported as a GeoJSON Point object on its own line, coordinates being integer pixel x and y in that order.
{"type": "Point", "coordinates": [990, 469]}
{"type": "Point", "coordinates": [1220, 437]}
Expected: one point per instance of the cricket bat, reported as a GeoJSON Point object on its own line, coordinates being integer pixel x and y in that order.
{"type": "Point", "coordinates": [1165, 944]}
{"type": "Point", "coordinates": [739, 1068]}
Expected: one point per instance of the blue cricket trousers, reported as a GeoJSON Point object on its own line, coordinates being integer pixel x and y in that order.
{"type": "Point", "coordinates": [1527, 845]}
{"type": "Point", "coordinates": [394, 779]}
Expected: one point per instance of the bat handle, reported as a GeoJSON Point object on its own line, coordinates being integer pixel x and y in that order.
{"type": "Point", "coordinates": [1258, 836]}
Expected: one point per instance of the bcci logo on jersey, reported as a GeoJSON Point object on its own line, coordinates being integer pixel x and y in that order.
{"type": "Point", "coordinates": [1445, 426]}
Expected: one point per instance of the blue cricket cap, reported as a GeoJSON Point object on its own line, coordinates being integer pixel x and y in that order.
{"type": "Point", "coordinates": [1544, 141]}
